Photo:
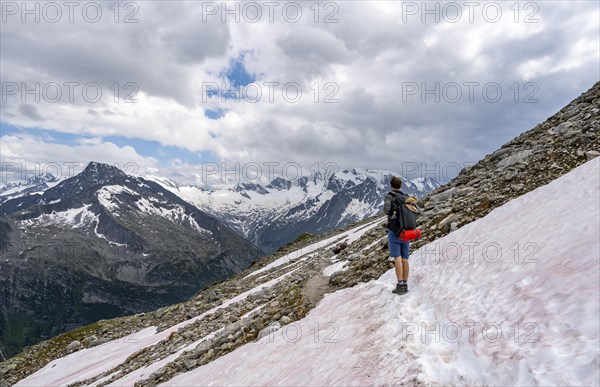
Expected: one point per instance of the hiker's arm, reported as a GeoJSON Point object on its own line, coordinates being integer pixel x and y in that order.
{"type": "Point", "coordinates": [387, 204]}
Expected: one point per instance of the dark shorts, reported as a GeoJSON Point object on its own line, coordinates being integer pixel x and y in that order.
{"type": "Point", "coordinates": [398, 247]}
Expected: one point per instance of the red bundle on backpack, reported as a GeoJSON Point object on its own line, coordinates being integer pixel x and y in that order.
{"type": "Point", "coordinates": [409, 235]}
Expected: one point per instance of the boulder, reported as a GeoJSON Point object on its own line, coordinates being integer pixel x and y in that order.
{"type": "Point", "coordinates": [562, 128]}
{"type": "Point", "coordinates": [268, 330]}
{"type": "Point", "coordinates": [339, 247]}
{"type": "Point", "coordinates": [383, 242]}
{"type": "Point", "coordinates": [589, 155]}
{"type": "Point", "coordinates": [356, 256]}
{"type": "Point", "coordinates": [190, 364]}
{"type": "Point", "coordinates": [285, 320]}
{"type": "Point", "coordinates": [74, 346]}
{"type": "Point", "coordinates": [192, 313]}
{"type": "Point", "coordinates": [444, 195]}
{"type": "Point", "coordinates": [448, 220]}
{"type": "Point", "coordinates": [518, 157]}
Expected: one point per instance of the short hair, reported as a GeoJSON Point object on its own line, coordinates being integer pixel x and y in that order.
{"type": "Point", "coordinates": [395, 182]}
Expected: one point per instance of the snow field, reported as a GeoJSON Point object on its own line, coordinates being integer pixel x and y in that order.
{"type": "Point", "coordinates": [350, 235]}
{"type": "Point", "coordinates": [91, 362]}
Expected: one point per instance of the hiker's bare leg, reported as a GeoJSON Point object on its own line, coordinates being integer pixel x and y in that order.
{"type": "Point", "coordinates": [404, 271]}
{"type": "Point", "coordinates": [398, 265]}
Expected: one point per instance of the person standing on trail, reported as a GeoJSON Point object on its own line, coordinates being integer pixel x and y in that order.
{"type": "Point", "coordinates": [399, 248]}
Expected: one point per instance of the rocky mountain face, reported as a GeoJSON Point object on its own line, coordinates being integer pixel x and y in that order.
{"type": "Point", "coordinates": [280, 289]}
{"type": "Point", "coordinates": [103, 244]}
{"type": "Point", "coordinates": [275, 214]}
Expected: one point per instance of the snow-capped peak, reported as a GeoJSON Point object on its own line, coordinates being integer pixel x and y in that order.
{"type": "Point", "coordinates": [33, 184]}
{"type": "Point", "coordinates": [279, 212]}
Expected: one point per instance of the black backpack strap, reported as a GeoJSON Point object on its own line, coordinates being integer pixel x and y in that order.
{"type": "Point", "coordinates": [398, 195]}
{"type": "Point", "coordinates": [392, 196]}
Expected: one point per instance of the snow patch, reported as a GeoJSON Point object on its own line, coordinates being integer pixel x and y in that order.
{"type": "Point", "coordinates": [75, 217]}
{"type": "Point", "coordinates": [357, 210]}
{"type": "Point", "coordinates": [350, 235]}
{"type": "Point", "coordinates": [176, 214]}
{"type": "Point", "coordinates": [107, 193]}
{"type": "Point", "coordinates": [338, 266]}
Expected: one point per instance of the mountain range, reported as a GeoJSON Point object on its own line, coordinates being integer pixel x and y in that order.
{"type": "Point", "coordinates": [32, 184]}
{"type": "Point", "coordinates": [274, 214]}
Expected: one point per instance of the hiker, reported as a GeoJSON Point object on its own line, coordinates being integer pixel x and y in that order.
{"type": "Point", "coordinates": [399, 248]}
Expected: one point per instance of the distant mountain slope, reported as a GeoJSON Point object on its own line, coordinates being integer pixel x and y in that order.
{"type": "Point", "coordinates": [279, 212]}
{"type": "Point", "coordinates": [102, 244]}
{"type": "Point", "coordinates": [33, 184]}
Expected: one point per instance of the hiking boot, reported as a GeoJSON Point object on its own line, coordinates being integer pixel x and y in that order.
{"type": "Point", "coordinates": [405, 287]}
{"type": "Point", "coordinates": [400, 290]}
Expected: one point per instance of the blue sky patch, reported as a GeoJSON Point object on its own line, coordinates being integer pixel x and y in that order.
{"type": "Point", "coordinates": [234, 79]}
{"type": "Point", "coordinates": [214, 114]}
{"type": "Point", "coordinates": [237, 74]}
{"type": "Point", "coordinates": [163, 154]}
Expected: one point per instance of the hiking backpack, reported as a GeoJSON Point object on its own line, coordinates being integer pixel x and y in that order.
{"type": "Point", "coordinates": [400, 217]}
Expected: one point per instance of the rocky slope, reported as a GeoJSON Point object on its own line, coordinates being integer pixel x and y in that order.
{"type": "Point", "coordinates": [103, 244]}
{"type": "Point", "coordinates": [282, 288]}
{"type": "Point", "coordinates": [536, 157]}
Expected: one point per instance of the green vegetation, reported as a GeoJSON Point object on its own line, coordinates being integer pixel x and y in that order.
{"type": "Point", "coordinates": [19, 331]}
{"type": "Point", "coordinates": [302, 237]}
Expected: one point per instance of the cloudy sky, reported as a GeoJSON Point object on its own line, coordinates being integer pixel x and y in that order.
{"type": "Point", "coordinates": [183, 89]}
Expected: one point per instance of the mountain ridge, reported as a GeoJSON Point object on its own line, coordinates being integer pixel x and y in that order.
{"type": "Point", "coordinates": [276, 213]}
{"type": "Point", "coordinates": [36, 183]}
{"type": "Point", "coordinates": [270, 215]}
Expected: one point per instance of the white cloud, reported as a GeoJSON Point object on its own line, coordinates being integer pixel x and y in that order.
{"type": "Point", "coordinates": [23, 154]}
{"type": "Point", "coordinates": [89, 140]}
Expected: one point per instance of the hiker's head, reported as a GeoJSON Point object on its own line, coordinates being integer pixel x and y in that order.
{"type": "Point", "coordinates": [395, 182]}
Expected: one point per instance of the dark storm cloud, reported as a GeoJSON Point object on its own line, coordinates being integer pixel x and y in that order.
{"type": "Point", "coordinates": [30, 111]}
{"type": "Point", "coordinates": [157, 52]}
